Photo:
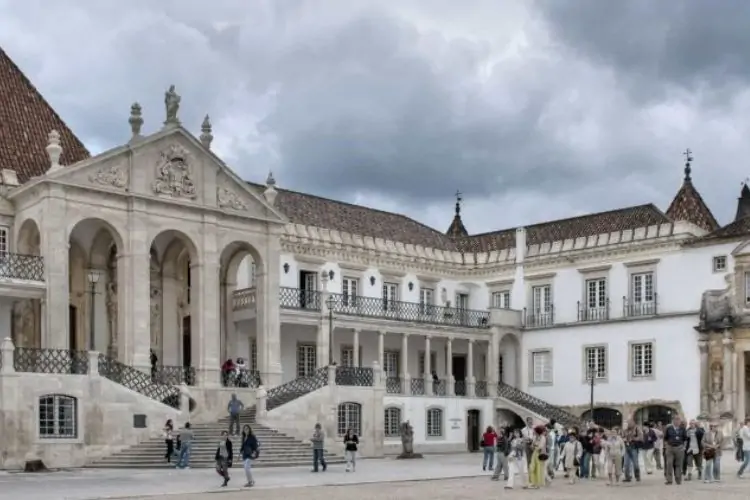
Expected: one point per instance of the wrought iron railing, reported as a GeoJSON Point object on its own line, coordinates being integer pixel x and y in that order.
{"type": "Point", "coordinates": [354, 376]}
{"type": "Point", "coordinates": [480, 389]}
{"type": "Point", "coordinates": [536, 405]}
{"type": "Point", "coordinates": [394, 385]}
{"type": "Point", "coordinates": [633, 308]}
{"type": "Point", "coordinates": [62, 361]}
{"type": "Point", "coordinates": [138, 381]}
{"type": "Point", "coordinates": [438, 387]}
{"type": "Point", "coordinates": [174, 375]}
{"type": "Point", "coordinates": [459, 387]}
{"type": "Point", "coordinates": [374, 307]}
{"type": "Point", "coordinates": [586, 313]}
{"type": "Point", "coordinates": [538, 318]}
{"type": "Point", "coordinates": [296, 388]}
{"type": "Point", "coordinates": [244, 299]}
{"type": "Point", "coordinates": [417, 386]}
{"type": "Point", "coordinates": [21, 267]}
{"type": "Point", "coordinates": [241, 378]}
{"type": "Point", "coordinates": [296, 298]}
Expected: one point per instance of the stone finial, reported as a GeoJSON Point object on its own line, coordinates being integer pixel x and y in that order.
{"type": "Point", "coordinates": [54, 150]}
{"type": "Point", "coordinates": [135, 120]}
{"type": "Point", "coordinates": [270, 193]}
{"type": "Point", "coordinates": [206, 135]}
{"type": "Point", "coordinates": [172, 105]}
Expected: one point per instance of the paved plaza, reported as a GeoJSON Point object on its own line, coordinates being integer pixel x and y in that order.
{"type": "Point", "coordinates": [435, 477]}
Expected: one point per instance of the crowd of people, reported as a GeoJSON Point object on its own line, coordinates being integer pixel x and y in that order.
{"type": "Point", "coordinates": [532, 455]}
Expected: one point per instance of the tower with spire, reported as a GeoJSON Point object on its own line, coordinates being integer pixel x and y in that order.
{"type": "Point", "coordinates": [457, 228]}
{"type": "Point", "coordinates": [688, 204]}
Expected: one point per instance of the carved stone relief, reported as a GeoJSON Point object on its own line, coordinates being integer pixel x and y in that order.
{"type": "Point", "coordinates": [25, 323]}
{"type": "Point", "coordinates": [114, 176]}
{"type": "Point", "coordinates": [174, 176]}
{"type": "Point", "coordinates": [229, 199]}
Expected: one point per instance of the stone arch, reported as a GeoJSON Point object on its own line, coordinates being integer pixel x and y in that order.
{"type": "Point", "coordinates": [608, 418]}
{"type": "Point", "coordinates": [173, 265]}
{"type": "Point", "coordinates": [509, 365]}
{"type": "Point", "coordinates": [654, 413]}
{"type": "Point", "coordinates": [94, 245]}
{"type": "Point", "coordinates": [505, 417]}
{"type": "Point", "coordinates": [26, 324]}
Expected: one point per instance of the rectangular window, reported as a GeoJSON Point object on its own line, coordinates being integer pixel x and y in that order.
{"type": "Point", "coordinates": [426, 296]}
{"type": "Point", "coordinates": [642, 287]}
{"type": "Point", "coordinates": [390, 296]}
{"type": "Point", "coordinates": [501, 300]}
{"type": "Point", "coordinates": [434, 422]}
{"type": "Point", "coordinates": [642, 356]}
{"type": "Point", "coordinates": [307, 360]}
{"type": "Point", "coordinates": [433, 362]}
{"type": "Point", "coordinates": [462, 301]}
{"type": "Point", "coordinates": [542, 299]}
{"type": "Point", "coordinates": [349, 290]}
{"type": "Point", "coordinates": [541, 362]}
{"type": "Point", "coordinates": [720, 263]}
{"type": "Point", "coordinates": [596, 362]}
{"type": "Point", "coordinates": [390, 363]}
{"type": "Point", "coordinates": [347, 356]}
{"type": "Point", "coordinates": [596, 293]}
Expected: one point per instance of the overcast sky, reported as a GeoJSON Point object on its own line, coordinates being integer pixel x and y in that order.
{"type": "Point", "coordinates": [534, 110]}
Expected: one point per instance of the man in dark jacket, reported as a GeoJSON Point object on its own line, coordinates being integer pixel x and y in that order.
{"type": "Point", "coordinates": [693, 451]}
{"type": "Point", "coordinates": [502, 449]}
{"type": "Point", "coordinates": [224, 457]}
{"type": "Point", "coordinates": [675, 439]}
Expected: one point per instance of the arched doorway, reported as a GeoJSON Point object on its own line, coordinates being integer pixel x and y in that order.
{"type": "Point", "coordinates": [609, 418]}
{"type": "Point", "coordinates": [241, 269]}
{"type": "Point", "coordinates": [172, 317]}
{"type": "Point", "coordinates": [508, 418]}
{"type": "Point", "coordinates": [26, 324]}
{"type": "Point", "coordinates": [93, 286]}
{"type": "Point", "coordinates": [508, 366]}
{"type": "Point", "coordinates": [654, 413]}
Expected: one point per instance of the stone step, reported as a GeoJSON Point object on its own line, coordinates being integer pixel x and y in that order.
{"type": "Point", "coordinates": [140, 452]}
{"type": "Point", "coordinates": [236, 468]}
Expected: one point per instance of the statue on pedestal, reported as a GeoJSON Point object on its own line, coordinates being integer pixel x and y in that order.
{"type": "Point", "coordinates": [407, 441]}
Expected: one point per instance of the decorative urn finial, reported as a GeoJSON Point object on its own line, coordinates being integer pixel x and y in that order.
{"type": "Point", "coordinates": [270, 193]}
{"type": "Point", "coordinates": [54, 150]}
{"type": "Point", "coordinates": [206, 136]}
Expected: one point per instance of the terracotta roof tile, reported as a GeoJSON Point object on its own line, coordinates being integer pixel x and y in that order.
{"type": "Point", "coordinates": [735, 229]}
{"type": "Point", "coordinates": [688, 205]}
{"type": "Point", "coordinates": [26, 119]}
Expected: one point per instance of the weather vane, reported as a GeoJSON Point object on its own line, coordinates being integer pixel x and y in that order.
{"type": "Point", "coordinates": [459, 199]}
{"type": "Point", "coordinates": [688, 158]}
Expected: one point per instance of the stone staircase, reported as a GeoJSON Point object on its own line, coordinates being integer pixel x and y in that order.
{"type": "Point", "coordinates": [538, 406]}
{"type": "Point", "coordinates": [277, 449]}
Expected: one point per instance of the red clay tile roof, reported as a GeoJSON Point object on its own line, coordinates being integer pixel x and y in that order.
{"type": "Point", "coordinates": [743, 203]}
{"type": "Point", "coordinates": [457, 228]}
{"type": "Point", "coordinates": [735, 229]}
{"type": "Point", "coordinates": [688, 205]}
{"type": "Point", "coordinates": [26, 119]}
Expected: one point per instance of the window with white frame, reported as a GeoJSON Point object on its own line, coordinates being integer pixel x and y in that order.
{"type": "Point", "coordinates": [462, 301]}
{"type": "Point", "coordinates": [501, 300]}
{"type": "Point", "coordinates": [596, 362]}
{"type": "Point", "coordinates": [4, 240]}
{"type": "Point", "coordinates": [720, 263]}
{"type": "Point", "coordinates": [390, 363]}
{"type": "Point", "coordinates": [349, 290]}
{"type": "Point", "coordinates": [426, 300]}
{"type": "Point", "coordinates": [596, 293]}
{"type": "Point", "coordinates": [58, 417]}
{"type": "Point", "coordinates": [390, 296]}
{"type": "Point", "coordinates": [500, 368]}
{"type": "Point", "coordinates": [421, 361]}
{"type": "Point", "coordinates": [541, 297]}
{"type": "Point", "coordinates": [541, 362]}
{"type": "Point", "coordinates": [392, 422]}
{"type": "Point", "coordinates": [434, 422]}
{"type": "Point", "coordinates": [642, 357]}
{"type": "Point", "coordinates": [307, 360]}
{"type": "Point", "coordinates": [642, 287]}
{"type": "Point", "coordinates": [347, 355]}
{"type": "Point", "coordinates": [350, 417]}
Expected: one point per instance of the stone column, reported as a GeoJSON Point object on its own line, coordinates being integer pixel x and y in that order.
{"type": "Point", "coordinates": [55, 250]}
{"type": "Point", "coordinates": [324, 331]}
{"type": "Point", "coordinates": [450, 381]}
{"type": "Point", "coordinates": [405, 377]}
{"type": "Point", "coordinates": [6, 355]}
{"type": "Point", "coordinates": [355, 348]}
{"type": "Point", "coordinates": [268, 319]}
{"type": "Point", "coordinates": [381, 342]}
{"type": "Point", "coordinates": [741, 388]}
{"type": "Point", "coordinates": [471, 381]}
{"type": "Point", "coordinates": [206, 338]}
{"type": "Point", "coordinates": [727, 384]}
{"type": "Point", "coordinates": [705, 375]}
{"type": "Point", "coordinates": [427, 366]}
{"type": "Point", "coordinates": [134, 292]}
{"type": "Point", "coordinates": [494, 375]}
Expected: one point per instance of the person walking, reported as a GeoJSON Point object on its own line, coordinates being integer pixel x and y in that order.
{"type": "Point", "coordinates": [538, 459]}
{"type": "Point", "coordinates": [169, 440]}
{"type": "Point", "coordinates": [649, 447]}
{"type": "Point", "coordinates": [675, 439]}
{"type": "Point", "coordinates": [224, 457]}
{"type": "Point", "coordinates": [186, 443]}
{"type": "Point", "coordinates": [694, 451]}
{"type": "Point", "coordinates": [489, 441]}
{"type": "Point", "coordinates": [517, 465]}
{"type": "Point", "coordinates": [572, 454]}
{"type": "Point", "coordinates": [633, 438]}
{"type": "Point", "coordinates": [351, 441]}
{"type": "Point", "coordinates": [318, 439]}
{"type": "Point", "coordinates": [249, 450]}
{"type": "Point", "coordinates": [712, 443]}
{"type": "Point", "coordinates": [744, 436]}
{"type": "Point", "coordinates": [614, 451]}
{"type": "Point", "coordinates": [502, 447]}
{"type": "Point", "coordinates": [234, 408]}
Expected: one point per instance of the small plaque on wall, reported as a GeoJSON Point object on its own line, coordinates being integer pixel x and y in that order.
{"type": "Point", "coordinates": [455, 423]}
{"type": "Point", "coordinates": [139, 421]}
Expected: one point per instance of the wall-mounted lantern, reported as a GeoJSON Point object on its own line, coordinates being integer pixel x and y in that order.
{"type": "Point", "coordinates": [372, 280]}
{"type": "Point", "coordinates": [286, 267]}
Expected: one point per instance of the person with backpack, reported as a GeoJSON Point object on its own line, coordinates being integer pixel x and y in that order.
{"type": "Point", "coordinates": [648, 448]}
{"type": "Point", "coordinates": [249, 449]}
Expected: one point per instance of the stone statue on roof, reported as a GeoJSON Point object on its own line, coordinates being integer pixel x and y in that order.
{"type": "Point", "coordinates": [172, 105]}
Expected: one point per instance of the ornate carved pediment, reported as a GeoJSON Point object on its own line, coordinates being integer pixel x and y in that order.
{"type": "Point", "coordinates": [174, 173]}
{"type": "Point", "coordinates": [114, 176]}
{"type": "Point", "coordinates": [229, 199]}
{"type": "Point", "coordinates": [717, 310]}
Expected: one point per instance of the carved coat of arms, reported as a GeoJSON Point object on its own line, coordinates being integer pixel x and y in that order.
{"type": "Point", "coordinates": [174, 176]}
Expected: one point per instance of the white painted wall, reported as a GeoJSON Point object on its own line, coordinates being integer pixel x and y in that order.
{"type": "Point", "coordinates": [676, 362]}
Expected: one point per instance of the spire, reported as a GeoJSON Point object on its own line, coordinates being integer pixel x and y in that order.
{"type": "Point", "coordinates": [206, 136]}
{"type": "Point", "coordinates": [743, 202]}
{"type": "Point", "coordinates": [457, 229]}
{"type": "Point", "coordinates": [688, 205]}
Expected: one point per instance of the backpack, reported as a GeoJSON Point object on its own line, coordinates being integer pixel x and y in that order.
{"type": "Point", "coordinates": [651, 437]}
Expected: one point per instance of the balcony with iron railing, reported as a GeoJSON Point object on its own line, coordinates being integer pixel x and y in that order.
{"type": "Point", "coordinates": [632, 308]}
{"type": "Point", "coordinates": [539, 318]}
{"type": "Point", "coordinates": [596, 313]}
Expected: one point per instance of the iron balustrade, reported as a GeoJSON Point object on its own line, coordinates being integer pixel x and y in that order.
{"type": "Point", "coordinates": [174, 375]}
{"type": "Point", "coordinates": [586, 313]}
{"type": "Point", "coordinates": [538, 318]}
{"type": "Point", "coordinates": [417, 386]}
{"type": "Point", "coordinates": [632, 308]}
{"type": "Point", "coordinates": [459, 387]}
{"type": "Point", "coordinates": [61, 361]}
{"type": "Point", "coordinates": [241, 378]}
{"type": "Point", "coordinates": [297, 298]}
{"type": "Point", "coordinates": [374, 307]}
{"type": "Point", "coordinates": [480, 390]}
{"type": "Point", "coordinates": [393, 385]}
{"type": "Point", "coordinates": [354, 376]}
{"type": "Point", "coordinates": [296, 388]}
{"type": "Point", "coordinates": [538, 406]}
{"type": "Point", "coordinates": [439, 387]}
{"type": "Point", "coordinates": [21, 267]}
{"type": "Point", "coordinates": [138, 381]}
{"type": "Point", "coordinates": [244, 299]}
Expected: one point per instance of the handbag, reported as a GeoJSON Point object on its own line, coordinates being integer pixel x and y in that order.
{"type": "Point", "coordinates": [709, 453]}
{"type": "Point", "coordinates": [543, 457]}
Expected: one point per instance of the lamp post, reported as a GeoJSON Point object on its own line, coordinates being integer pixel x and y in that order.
{"type": "Point", "coordinates": [592, 380]}
{"type": "Point", "coordinates": [330, 302]}
{"type": "Point", "coordinates": [93, 277]}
